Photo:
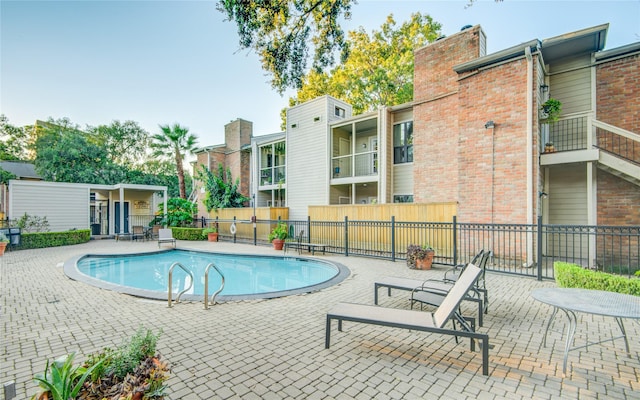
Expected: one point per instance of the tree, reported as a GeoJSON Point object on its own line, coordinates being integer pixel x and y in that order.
{"type": "Point", "coordinates": [180, 212]}
{"type": "Point", "coordinates": [174, 141]}
{"type": "Point", "coordinates": [13, 141]}
{"type": "Point", "coordinates": [281, 31]}
{"type": "Point", "coordinates": [220, 192]}
{"type": "Point", "coordinates": [126, 143]}
{"type": "Point", "coordinates": [66, 154]}
{"type": "Point", "coordinates": [379, 69]}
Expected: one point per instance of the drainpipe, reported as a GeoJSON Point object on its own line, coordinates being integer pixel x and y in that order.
{"type": "Point", "coordinates": [529, 153]}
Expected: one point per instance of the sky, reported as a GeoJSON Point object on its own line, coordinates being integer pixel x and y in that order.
{"type": "Point", "coordinates": [161, 62]}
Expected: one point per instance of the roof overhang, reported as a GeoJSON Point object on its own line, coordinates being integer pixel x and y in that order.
{"type": "Point", "coordinates": [589, 40]}
{"type": "Point", "coordinates": [626, 50]}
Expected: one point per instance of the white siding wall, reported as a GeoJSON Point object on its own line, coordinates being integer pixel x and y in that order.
{"type": "Point", "coordinates": [66, 206]}
{"type": "Point", "coordinates": [308, 153]}
{"type": "Point", "coordinates": [570, 82]}
{"type": "Point", "coordinates": [568, 194]}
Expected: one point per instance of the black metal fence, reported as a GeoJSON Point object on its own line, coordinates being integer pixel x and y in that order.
{"type": "Point", "coordinates": [522, 249]}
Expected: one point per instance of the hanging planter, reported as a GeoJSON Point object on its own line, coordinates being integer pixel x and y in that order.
{"type": "Point", "coordinates": [550, 110]}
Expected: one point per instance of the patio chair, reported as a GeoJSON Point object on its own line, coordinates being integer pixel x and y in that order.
{"type": "Point", "coordinates": [166, 236]}
{"type": "Point", "coordinates": [419, 320]}
{"type": "Point", "coordinates": [295, 243]}
{"type": "Point", "coordinates": [439, 288]}
{"type": "Point", "coordinates": [137, 232]}
{"type": "Point", "coordinates": [430, 291]}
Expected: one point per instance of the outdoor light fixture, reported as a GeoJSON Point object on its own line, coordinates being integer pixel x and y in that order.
{"type": "Point", "coordinates": [544, 88]}
{"type": "Point", "coordinates": [489, 125]}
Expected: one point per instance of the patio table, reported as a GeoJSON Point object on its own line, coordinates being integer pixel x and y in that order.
{"type": "Point", "coordinates": [597, 302]}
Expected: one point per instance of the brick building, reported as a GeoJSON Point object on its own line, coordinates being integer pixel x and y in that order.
{"type": "Point", "coordinates": [475, 134]}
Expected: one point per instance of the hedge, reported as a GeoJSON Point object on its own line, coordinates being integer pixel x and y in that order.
{"type": "Point", "coordinates": [574, 276]}
{"type": "Point", "coordinates": [51, 239]}
{"type": "Point", "coordinates": [188, 233]}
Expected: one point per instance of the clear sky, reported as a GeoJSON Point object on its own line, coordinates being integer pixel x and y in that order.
{"type": "Point", "coordinates": [159, 62]}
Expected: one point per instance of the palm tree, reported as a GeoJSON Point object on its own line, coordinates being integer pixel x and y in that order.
{"type": "Point", "coordinates": [174, 141]}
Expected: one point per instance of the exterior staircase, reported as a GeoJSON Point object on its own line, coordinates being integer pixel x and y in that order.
{"type": "Point", "coordinates": [619, 167]}
{"type": "Point", "coordinates": [619, 151]}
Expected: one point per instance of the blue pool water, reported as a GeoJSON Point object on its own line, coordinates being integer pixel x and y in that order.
{"type": "Point", "coordinates": [246, 276]}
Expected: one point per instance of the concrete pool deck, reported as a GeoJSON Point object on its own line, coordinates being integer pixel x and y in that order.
{"type": "Point", "coordinates": [274, 349]}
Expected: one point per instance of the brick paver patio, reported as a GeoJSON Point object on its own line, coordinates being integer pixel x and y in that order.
{"type": "Point", "coordinates": [274, 349]}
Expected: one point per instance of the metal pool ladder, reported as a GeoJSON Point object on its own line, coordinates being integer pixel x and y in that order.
{"type": "Point", "coordinates": [171, 278]}
{"type": "Point", "coordinates": [206, 286]}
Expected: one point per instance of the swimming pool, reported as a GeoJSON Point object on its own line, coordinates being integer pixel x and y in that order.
{"type": "Point", "coordinates": [246, 276]}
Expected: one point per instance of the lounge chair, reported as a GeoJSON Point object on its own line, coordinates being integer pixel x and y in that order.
{"type": "Point", "coordinates": [439, 287]}
{"type": "Point", "coordinates": [419, 320]}
{"type": "Point", "coordinates": [430, 291]}
{"type": "Point", "coordinates": [166, 236]}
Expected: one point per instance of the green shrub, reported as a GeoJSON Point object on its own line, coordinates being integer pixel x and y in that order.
{"type": "Point", "coordinates": [574, 276]}
{"type": "Point", "coordinates": [61, 379]}
{"type": "Point", "coordinates": [130, 371]}
{"type": "Point", "coordinates": [188, 233]}
{"type": "Point", "coordinates": [40, 240]}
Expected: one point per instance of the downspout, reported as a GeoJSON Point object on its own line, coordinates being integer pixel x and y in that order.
{"type": "Point", "coordinates": [529, 152]}
{"type": "Point", "coordinates": [382, 159]}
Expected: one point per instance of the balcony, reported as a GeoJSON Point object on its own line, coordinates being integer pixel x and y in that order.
{"type": "Point", "coordinates": [581, 138]}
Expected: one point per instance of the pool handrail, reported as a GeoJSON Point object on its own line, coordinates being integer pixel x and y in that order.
{"type": "Point", "coordinates": [206, 286]}
{"type": "Point", "coordinates": [171, 278]}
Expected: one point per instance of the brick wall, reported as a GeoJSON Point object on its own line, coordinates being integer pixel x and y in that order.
{"type": "Point", "coordinates": [237, 134]}
{"type": "Point", "coordinates": [493, 162]}
{"type": "Point", "coordinates": [435, 127]}
{"type": "Point", "coordinates": [617, 91]}
{"type": "Point", "coordinates": [618, 201]}
{"type": "Point", "coordinates": [455, 157]}
{"type": "Point", "coordinates": [617, 88]}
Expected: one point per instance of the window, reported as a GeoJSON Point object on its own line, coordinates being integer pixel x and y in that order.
{"type": "Point", "coordinates": [403, 143]}
{"type": "Point", "coordinates": [340, 112]}
{"type": "Point", "coordinates": [272, 164]}
{"type": "Point", "coordinates": [403, 198]}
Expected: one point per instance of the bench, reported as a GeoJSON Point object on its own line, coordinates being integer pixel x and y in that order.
{"type": "Point", "coordinates": [299, 244]}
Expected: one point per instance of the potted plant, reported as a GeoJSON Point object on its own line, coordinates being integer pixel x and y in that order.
{"type": "Point", "coordinates": [550, 110]}
{"type": "Point", "coordinates": [211, 233]}
{"type": "Point", "coordinates": [420, 257]}
{"type": "Point", "coordinates": [278, 235]}
{"type": "Point", "coordinates": [4, 241]}
{"type": "Point", "coordinates": [548, 147]}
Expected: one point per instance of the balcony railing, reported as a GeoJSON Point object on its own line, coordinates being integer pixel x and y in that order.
{"type": "Point", "coordinates": [582, 132]}
{"type": "Point", "coordinates": [362, 164]}
{"type": "Point", "coordinates": [569, 134]}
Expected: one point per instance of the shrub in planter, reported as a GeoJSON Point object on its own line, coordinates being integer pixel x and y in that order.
{"type": "Point", "coordinates": [278, 235]}
{"type": "Point", "coordinates": [132, 371]}
{"type": "Point", "coordinates": [210, 234]}
{"type": "Point", "coordinates": [420, 257]}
